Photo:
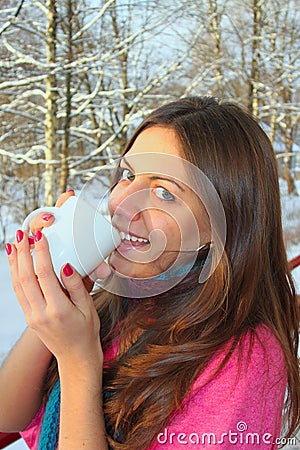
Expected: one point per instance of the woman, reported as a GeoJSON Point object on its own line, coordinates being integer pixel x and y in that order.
{"type": "Point", "coordinates": [203, 362]}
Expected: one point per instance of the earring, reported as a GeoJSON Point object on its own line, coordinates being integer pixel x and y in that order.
{"type": "Point", "coordinates": [208, 244]}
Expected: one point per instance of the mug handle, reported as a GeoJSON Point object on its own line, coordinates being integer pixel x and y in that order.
{"type": "Point", "coordinates": [47, 209]}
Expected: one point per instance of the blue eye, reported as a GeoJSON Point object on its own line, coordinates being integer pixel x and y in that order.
{"type": "Point", "coordinates": [126, 174]}
{"type": "Point", "coordinates": [164, 194]}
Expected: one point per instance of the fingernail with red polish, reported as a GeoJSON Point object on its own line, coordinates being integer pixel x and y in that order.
{"type": "Point", "coordinates": [67, 270]}
{"type": "Point", "coordinates": [31, 240]}
{"type": "Point", "coordinates": [8, 249]}
{"type": "Point", "coordinates": [38, 236]}
{"type": "Point", "coordinates": [19, 235]}
{"type": "Point", "coordinates": [47, 217]}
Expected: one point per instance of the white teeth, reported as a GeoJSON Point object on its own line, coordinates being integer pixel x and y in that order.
{"type": "Point", "coordinates": [129, 237]}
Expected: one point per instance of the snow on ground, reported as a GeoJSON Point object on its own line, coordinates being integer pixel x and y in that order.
{"type": "Point", "coordinates": [291, 225]}
{"type": "Point", "coordinates": [12, 323]}
{"type": "Point", "coordinates": [18, 445]}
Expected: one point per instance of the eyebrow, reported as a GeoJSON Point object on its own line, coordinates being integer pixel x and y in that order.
{"type": "Point", "coordinates": [155, 177]}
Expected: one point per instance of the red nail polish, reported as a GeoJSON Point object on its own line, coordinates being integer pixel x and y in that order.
{"type": "Point", "coordinates": [67, 270]}
{"type": "Point", "coordinates": [19, 235]}
{"type": "Point", "coordinates": [8, 249]}
{"type": "Point", "coordinates": [31, 240]}
{"type": "Point", "coordinates": [47, 217]}
{"type": "Point", "coordinates": [38, 236]}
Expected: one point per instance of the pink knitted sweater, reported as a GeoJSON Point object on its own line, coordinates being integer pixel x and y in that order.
{"type": "Point", "coordinates": [241, 408]}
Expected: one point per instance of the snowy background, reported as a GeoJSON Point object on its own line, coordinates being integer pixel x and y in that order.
{"type": "Point", "coordinates": [12, 322]}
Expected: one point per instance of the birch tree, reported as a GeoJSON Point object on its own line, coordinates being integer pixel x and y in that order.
{"type": "Point", "coordinates": [51, 102]}
{"type": "Point", "coordinates": [68, 89]}
{"type": "Point", "coordinates": [256, 57]}
{"type": "Point", "coordinates": [215, 13]}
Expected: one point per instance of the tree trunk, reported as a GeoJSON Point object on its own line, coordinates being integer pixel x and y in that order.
{"type": "Point", "coordinates": [288, 166]}
{"type": "Point", "coordinates": [256, 57]}
{"type": "Point", "coordinates": [66, 140]}
{"type": "Point", "coordinates": [51, 103]}
{"type": "Point", "coordinates": [215, 32]}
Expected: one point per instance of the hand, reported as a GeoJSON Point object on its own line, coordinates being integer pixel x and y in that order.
{"type": "Point", "coordinates": [44, 220]}
{"type": "Point", "coordinates": [67, 323]}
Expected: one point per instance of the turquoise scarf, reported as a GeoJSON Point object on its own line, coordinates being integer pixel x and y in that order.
{"type": "Point", "coordinates": [48, 439]}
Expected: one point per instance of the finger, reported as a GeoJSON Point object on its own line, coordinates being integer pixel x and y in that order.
{"type": "Point", "coordinates": [13, 267]}
{"type": "Point", "coordinates": [24, 275]}
{"type": "Point", "coordinates": [47, 279]}
{"type": "Point", "coordinates": [75, 286]}
{"type": "Point", "coordinates": [40, 221]}
{"type": "Point", "coordinates": [63, 197]}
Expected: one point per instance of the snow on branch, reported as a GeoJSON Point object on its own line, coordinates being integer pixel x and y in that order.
{"type": "Point", "coordinates": [18, 158]}
{"type": "Point", "coordinates": [19, 113]}
{"type": "Point", "coordinates": [98, 150]}
{"type": "Point", "coordinates": [94, 20]}
{"type": "Point", "coordinates": [25, 59]}
{"type": "Point", "coordinates": [13, 18]}
{"type": "Point", "coordinates": [23, 82]}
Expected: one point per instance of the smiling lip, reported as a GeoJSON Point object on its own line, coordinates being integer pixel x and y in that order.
{"type": "Point", "coordinates": [133, 238]}
{"type": "Point", "coordinates": [130, 241]}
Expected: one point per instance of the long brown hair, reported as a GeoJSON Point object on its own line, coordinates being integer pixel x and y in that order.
{"type": "Point", "coordinates": [181, 331]}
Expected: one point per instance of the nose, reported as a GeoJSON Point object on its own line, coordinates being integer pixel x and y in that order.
{"type": "Point", "coordinates": [128, 200]}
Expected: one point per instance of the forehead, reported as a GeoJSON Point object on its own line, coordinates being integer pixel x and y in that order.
{"type": "Point", "coordinates": [157, 139]}
{"type": "Point", "coordinates": [158, 150]}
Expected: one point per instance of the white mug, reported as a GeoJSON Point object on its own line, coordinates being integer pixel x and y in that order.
{"type": "Point", "coordinates": [80, 235]}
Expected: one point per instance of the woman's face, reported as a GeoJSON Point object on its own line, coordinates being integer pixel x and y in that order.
{"type": "Point", "coordinates": [156, 212]}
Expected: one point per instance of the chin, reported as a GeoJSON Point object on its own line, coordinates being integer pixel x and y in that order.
{"type": "Point", "coordinates": [130, 269]}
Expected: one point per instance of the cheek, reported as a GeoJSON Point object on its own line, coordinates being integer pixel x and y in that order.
{"type": "Point", "coordinates": [162, 227]}
{"type": "Point", "coordinates": [196, 227]}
